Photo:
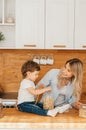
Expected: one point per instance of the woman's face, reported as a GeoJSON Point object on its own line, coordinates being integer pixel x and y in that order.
{"type": "Point", "coordinates": [66, 72]}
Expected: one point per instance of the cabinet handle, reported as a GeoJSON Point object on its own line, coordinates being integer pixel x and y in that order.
{"type": "Point", "coordinates": [59, 46]}
{"type": "Point", "coordinates": [84, 46]}
{"type": "Point", "coordinates": [29, 45]}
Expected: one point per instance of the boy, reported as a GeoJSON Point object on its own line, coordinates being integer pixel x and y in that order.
{"type": "Point", "coordinates": [27, 92]}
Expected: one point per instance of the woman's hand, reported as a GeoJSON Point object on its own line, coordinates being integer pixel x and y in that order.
{"type": "Point", "coordinates": [77, 105]}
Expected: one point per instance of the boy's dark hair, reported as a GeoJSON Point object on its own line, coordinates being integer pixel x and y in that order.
{"type": "Point", "coordinates": [29, 66]}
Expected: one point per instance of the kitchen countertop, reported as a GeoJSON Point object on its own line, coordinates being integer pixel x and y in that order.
{"type": "Point", "coordinates": [15, 119]}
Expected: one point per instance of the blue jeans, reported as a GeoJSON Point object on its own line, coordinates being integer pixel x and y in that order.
{"type": "Point", "coordinates": [31, 107]}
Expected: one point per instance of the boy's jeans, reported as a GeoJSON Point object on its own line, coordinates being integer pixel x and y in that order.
{"type": "Point", "coordinates": [31, 107]}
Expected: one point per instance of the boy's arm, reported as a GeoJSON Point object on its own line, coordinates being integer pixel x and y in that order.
{"type": "Point", "coordinates": [38, 98]}
{"type": "Point", "coordinates": [36, 92]}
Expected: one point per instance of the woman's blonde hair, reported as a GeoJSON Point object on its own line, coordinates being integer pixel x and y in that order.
{"type": "Point", "coordinates": [76, 67]}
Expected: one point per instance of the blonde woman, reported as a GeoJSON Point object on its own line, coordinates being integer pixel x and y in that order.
{"type": "Point", "coordinates": [66, 83]}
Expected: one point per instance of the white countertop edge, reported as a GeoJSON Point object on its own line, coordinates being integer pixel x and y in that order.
{"type": "Point", "coordinates": [42, 125]}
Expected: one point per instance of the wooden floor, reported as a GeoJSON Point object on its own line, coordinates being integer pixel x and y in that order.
{"type": "Point", "coordinates": [15, 119]}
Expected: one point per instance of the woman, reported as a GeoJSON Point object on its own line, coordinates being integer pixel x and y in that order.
{"type": "Point", "coordinates": [66, 83]}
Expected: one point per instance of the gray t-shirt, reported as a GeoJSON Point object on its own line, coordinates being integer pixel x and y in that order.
{"type": "Point", "coordinates": [23, 94]}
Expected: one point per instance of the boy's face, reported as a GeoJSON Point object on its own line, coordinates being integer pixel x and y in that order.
{"type": "Point", "coordinates": [33, 75]}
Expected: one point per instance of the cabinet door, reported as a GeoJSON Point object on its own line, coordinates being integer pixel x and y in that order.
{"type": "Point", "coordinates": [59, 24]}
{"type": "Point", "coordinates": [30, 24]}
{"type": "Point", "coordinates": [7, 23]}
{"type": "Point", "coordinates": [80, 24]}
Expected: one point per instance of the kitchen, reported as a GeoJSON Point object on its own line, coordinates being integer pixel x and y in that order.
{"type": "Point", "coordinates": [36, 35]}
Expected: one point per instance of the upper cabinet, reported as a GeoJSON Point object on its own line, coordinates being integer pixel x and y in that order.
{"type": "Point", "coordinates": [59, 24]}
{"type": "Point", "coordinates": [22, 23]}
{"type": "Point", "coordinates": [7, 22]}
{"type": "Point", "coordinates": [65, 24]}
{"type": "Point", "coordinates": [43, 24]}
{"type": "Point", "coordinates": [80, 24]}
{"type": "Point", "coordinates": [30, 24]}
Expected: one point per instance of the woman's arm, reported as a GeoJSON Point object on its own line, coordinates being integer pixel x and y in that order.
{"type": "Point", "coordinates": [48, 77]}
{"type": "Point", "coordinates": [74, 103]}
{"type": "Point", "coordinates": [77, 105]}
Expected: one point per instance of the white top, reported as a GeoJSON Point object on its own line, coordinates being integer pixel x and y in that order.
{"type": "Point", "coordinates": [23, 94]}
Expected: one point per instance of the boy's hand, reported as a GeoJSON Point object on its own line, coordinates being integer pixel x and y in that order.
{"type": "Point", "coordinates": [40, 86]}
{"type": "Point", "coordinates": [48, 88]}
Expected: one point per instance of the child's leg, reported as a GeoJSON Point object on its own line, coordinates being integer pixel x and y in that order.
{"type": "Point", "coordinates": [40, 104]}
{"type": "Point", "coordinates": [32, 108]}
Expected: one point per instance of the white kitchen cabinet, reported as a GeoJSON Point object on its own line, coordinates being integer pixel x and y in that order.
{"type": "Point", "coordinates": [39, 24]}
{"type": "Point", "coordinates": [30, 24]}
{"type": "Point", "coordinates": [80, 24]}
{"type": "Point", "coordinates": [59, 24]}
{"type": "Point", "coordinates": [43, 24]}
{"type": "Point", "coordinates": [7, 22]}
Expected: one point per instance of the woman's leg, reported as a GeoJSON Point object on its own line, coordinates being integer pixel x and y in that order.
{"type": "Point", "coordinates": [32, 108]}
